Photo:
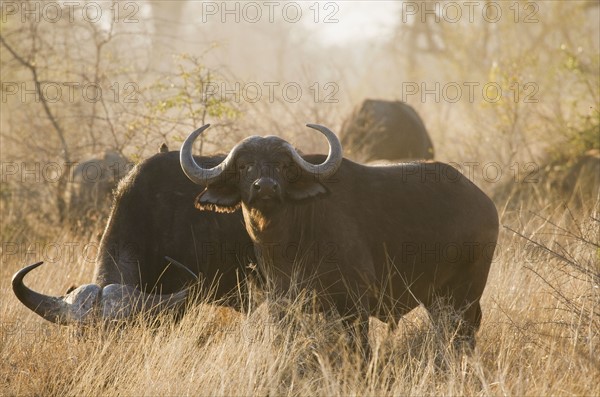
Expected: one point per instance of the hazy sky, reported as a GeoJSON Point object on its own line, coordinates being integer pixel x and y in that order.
{"type": "Point", "coordinates": [356, 20]}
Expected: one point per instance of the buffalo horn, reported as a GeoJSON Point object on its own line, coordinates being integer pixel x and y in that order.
{"type": "Point", "coordinates": [331, 163]}
{"type": "Point", "coordinates": [205, 176]}
{"type": "Point", "coordinates": [114, 301]}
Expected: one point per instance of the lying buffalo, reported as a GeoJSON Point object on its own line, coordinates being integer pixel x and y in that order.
{"type": "Point", "coordinates": [369, 240]}
{"type": "Point", "coordinates": [385, 130]}
{"type": "Point", "coordinates": [153, 216]}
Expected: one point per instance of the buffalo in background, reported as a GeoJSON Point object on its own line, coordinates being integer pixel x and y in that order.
{"type": "Point", "coordinates": [385, 130]}
{"type": "Point", "coordinates": [90, 185]}
{"type": "Point", "coordinates": [153, 216]}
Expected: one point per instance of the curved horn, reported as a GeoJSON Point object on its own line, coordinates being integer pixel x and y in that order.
{"type": "Point", "coordinates": [115, 301]}
{"type": "Point", "coordinates": [50, 308]}
{"type": "Point", "coordinates": [204, 176]}
{"type": "Point", "coordinates": [331, 163]}
{"type": "Point", "coordinates": [196, 173]}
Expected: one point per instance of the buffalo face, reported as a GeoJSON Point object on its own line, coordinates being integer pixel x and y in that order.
{"type": "Point", "coordinates": [262, 173]}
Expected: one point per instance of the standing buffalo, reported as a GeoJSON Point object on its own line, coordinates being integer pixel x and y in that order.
{"type": "Point", "coordinates": [153, 216]}
{"type": "Point", "coordinates": [385, 130]}
{"type": "Point", "coordinates": [369, 240]}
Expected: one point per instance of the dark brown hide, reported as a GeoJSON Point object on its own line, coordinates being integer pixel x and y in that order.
{"type": "Point", "coordinates": [154, 216]}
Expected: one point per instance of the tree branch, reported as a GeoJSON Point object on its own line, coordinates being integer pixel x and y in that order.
{"type": "Point", "coordinates": [36, 80]}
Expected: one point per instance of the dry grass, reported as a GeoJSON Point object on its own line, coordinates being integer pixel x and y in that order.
{"type": "Point", "coordinates": [540, 336]}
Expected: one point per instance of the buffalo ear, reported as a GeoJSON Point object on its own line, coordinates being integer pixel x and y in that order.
{"type": "Point", "coordinates": [305, 189]}
{"type": "Point", "coordinates": [220, 197]}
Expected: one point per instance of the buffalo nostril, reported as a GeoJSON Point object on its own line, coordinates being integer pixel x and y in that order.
{"type": "Point", "coordinates": [256, 186]}
{"type": "Point", "coordinates": [275, 187]}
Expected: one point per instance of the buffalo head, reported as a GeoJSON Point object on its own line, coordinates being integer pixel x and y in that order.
{"type": "Point", "coordinates": [261, 173]}
{"type": "Point", "coordinates": [91, 301]}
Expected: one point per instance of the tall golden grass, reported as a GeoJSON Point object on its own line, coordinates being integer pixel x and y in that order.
{"type": "Point", "coordinates": [540, 336]}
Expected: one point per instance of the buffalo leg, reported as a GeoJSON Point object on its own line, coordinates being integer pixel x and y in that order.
{"type": "Point", "coordinates": [471, 321]}
{"type": "Point", "coordinates": [463, 318]}
{"type": "Point", "coordinates": [356, 322]}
